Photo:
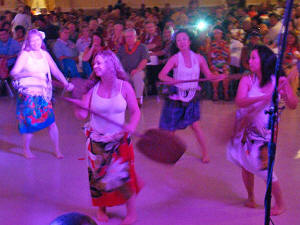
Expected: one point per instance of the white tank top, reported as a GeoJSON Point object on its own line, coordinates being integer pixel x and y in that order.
{"type": "Point", "coordinates": [37, 76]}
{"type": "Point", "coordinates": [186, 91]}
{"type": "Point", "coordinates": [112, 108]}
{"type": "Point", "coordinates": [261, 119]}
{"type": "Point", "coordinates": [37, 68]}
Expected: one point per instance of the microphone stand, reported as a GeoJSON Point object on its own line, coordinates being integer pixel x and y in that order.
{"type": "Point", "coordinates": [273, 120]}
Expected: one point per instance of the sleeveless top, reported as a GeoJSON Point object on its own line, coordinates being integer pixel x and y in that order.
{"type": "Point", "coordinates": [261, 118]}
{"type": "Point", "coordinates": [112, 108]}
{"type": "Point", "coordinates": [37, 77]}
{"type": "Point", "coordinates": [186, 91]}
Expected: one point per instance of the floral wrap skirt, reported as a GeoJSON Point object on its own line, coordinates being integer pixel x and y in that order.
{"type": "Point", "coordinates": [34, 113]}
{"type": "Point", "coordinates": [111, 170]}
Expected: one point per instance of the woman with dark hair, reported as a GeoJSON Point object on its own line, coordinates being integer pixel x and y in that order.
{"type": "Point", "coordinates": [248, 147]}
{"type": "Point", "coordinates": [89, 53]}
{"type": "Point", "coordinates": [182, 108]}
{"type": "Point", "coordinates": [109, 147]}
{"type": "Point", "coordinates": [32, 74]}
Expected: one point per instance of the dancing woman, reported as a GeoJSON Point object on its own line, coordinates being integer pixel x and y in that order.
{"type": "Point", "coordinates": [110, 153]}
{"type": "Point", "coordinates": [32, 74]}
{"type": "Point", "coordinates": [248, 147]}
{"type": "Point", "coordinates": [182, 109]}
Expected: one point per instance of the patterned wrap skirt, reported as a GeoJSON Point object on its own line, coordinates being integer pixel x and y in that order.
{"type": "Point", "coordinates": [111, 170]}
{"type": "Point", "coordinates": [179, 115]}
{"type": "Point", "coordinates": [34, 113]}
{"type": "Point", "coordinates": [248, 148]}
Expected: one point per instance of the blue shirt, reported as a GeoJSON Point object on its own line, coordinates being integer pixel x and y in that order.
{"type": "Point", "coordinates": [64, 48]}
{"type": "Point", "coordinates": [10, 48]}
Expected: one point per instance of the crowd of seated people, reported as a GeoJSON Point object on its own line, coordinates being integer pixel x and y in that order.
{"type": "Point", "coordinates": [226, 37]}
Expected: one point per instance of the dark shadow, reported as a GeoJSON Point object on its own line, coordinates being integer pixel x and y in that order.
{"type": "Point", "coordinates": [9, 148]}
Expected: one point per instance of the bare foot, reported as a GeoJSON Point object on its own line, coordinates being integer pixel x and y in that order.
{"type": "Point", "coordinates": [277, 210]}
{"type": "Point", "coordinates": [250, 203]}
{"type": "Point", "coordinates": [129, 219]}
{"type": "Point", "coordinates": [205, 159]}
{"type": "Point", "coordinates": [28, 155]}
{"type": "Point", "coordinates": [59, 155]}
{"type": "Point", "coordinates": [101, 216]}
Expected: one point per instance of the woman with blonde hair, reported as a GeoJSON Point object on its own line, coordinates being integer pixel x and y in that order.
{"type": "Point", "coordinates": [109, 147]}
{"type": "Point", "coordinates": [32, 74]}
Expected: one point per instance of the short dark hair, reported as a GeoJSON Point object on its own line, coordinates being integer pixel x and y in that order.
{"type": "Point", "coordinates": [20, 27]}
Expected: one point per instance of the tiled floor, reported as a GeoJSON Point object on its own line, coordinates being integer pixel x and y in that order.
{"type": "Point", "coordinates": [34, 192]}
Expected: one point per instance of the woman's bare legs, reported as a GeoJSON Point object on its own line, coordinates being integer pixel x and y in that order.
{"type": "Point", "coordinates": [248, 179]}
{"type": "Point", "coordinates": [279, 206]}
{"type": "Point", "coordinates": [26, 146]}
{"type": "Point", "coordinates": [53, 132]}
{"type": "Point", "coordinates": [200, 138]}
{"type": "Point", "coordinates": [131, 211]}
{"type": "Point", "coordinates": [101, 214]}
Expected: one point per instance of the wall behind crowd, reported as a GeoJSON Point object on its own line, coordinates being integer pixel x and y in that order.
{"type": "Point", "coordinates": [66, 5]}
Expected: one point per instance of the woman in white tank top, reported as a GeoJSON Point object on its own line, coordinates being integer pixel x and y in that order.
{"type": "Point", "coordinates": [248, 146]}
{"type": "Point", "coordinates": [32, 74]}
{"type": "Point", "coordinates": [110, 153]}
{"type": "Point", "coordinates": [182, 109]}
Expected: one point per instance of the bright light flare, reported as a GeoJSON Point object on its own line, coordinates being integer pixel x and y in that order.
{"type": "Point", "coordinates": [202, 25]}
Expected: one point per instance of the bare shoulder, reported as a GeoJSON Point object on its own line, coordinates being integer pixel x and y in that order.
{"type": "Point", "coordinates": [126, 86]}
{"type": "Point", "coordinates": [23, 53]}
{"type": "Point", "coordinates": [173, 60]}
{"type": "Point", "coordinates": [45, 53]}
{"type": "Point", "coordinates": [245, 81]}
{"type": "Point", "coordinates": [88, 95]}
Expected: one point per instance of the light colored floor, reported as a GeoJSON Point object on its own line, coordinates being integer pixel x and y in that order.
{"type": "Point", "coordinates": [34, 192]}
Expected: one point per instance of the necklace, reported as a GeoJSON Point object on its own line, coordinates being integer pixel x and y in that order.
{"type": "Point", "coordinates": [130, 52]}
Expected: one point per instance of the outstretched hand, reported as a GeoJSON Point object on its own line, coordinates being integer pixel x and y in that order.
{"type": "Point", "coordinates": [75, 101]}
{"type": "Point", "coordinates": [220, 77]}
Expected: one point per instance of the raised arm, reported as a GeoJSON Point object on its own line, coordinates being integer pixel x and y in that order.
{"type": "Point", "coordinates": [87, 54]}
{"type": "Point", "coordinates": [82, 105]}
{"type": "Point", "coordinates": [243, 100]}
{"type": "Point", "coordinates": [133, 107]}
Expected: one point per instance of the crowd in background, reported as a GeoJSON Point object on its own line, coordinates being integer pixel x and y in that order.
{"type": "Point", "coordinates": [224, 35]}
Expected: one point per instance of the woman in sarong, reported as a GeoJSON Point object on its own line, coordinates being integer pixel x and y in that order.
{"type": "Point", "coordinates": [32, 73]}
{"type": "Point", "coordinates": [249, 145]}
{"type": "Point", "coordinates": [109, 147]}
